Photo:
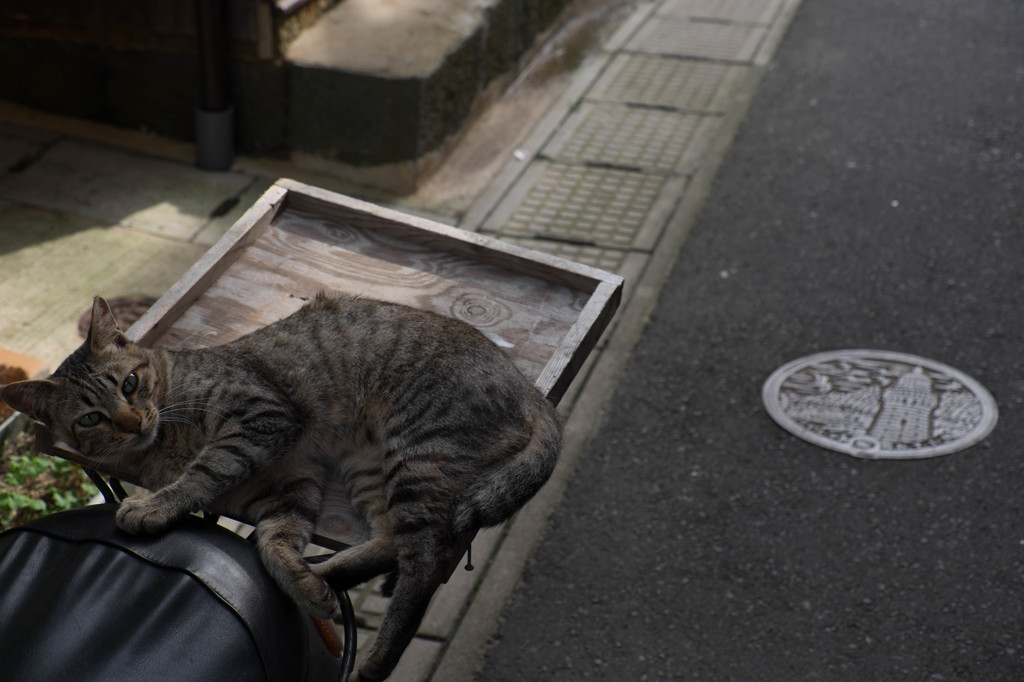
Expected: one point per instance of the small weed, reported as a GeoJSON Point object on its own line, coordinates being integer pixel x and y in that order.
{"type": "Point", "coordinates": [34, 485]}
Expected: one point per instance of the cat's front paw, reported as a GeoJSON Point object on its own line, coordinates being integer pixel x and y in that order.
{"type": "Point", "coordinates": [143, 514]}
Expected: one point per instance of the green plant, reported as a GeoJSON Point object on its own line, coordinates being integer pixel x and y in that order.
{"type": "Point", "coordinates": [34, 485]}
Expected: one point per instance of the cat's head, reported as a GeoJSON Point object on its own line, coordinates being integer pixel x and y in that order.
{"type": "Point", "coordinates": [101, 400]}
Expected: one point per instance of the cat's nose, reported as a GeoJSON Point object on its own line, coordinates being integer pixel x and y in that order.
{"type": "Point", "coordinates": [128, 421]}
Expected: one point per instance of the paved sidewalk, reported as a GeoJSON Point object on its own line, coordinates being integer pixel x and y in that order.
{"type": "Point", "coordinates": [634, 141]}
{"type": "Point", "coordinates": [79, 219]}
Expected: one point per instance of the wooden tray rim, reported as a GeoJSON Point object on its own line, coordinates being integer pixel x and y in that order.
{"type": "Point", "coordinates": [605, 288]}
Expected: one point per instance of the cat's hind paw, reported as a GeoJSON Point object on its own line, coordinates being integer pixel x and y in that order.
{"type": "Point", "coordinates": [316, 596]}
{"type": "Point", "coordinates": [325, 607]}
{"type": "Point", "coordinates": [143, 515]}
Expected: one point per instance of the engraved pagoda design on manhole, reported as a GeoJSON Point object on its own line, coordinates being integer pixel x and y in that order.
{"type": "Point", "coordinates": [880, 404]}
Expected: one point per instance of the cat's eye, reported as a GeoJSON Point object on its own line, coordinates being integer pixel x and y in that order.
{"type": "Point", "coordinates": [91, 419]}
{"type": "Point", "coordinates": [130, 384]}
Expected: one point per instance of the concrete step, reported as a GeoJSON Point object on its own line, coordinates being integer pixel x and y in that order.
{"type": "Point", "coordinates": [388, 82]}
{"type": "Point", "coordinates": [370, 88]}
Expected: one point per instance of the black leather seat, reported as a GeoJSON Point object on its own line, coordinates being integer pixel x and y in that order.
{"type": "Point", "coordinates": [81, 600]}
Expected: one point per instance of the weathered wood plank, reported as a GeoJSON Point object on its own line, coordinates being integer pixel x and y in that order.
{"type": "Point", "coordinates": [479, 247]}
{"type": "Point", "coordinates": [155, 322]}
{"type": "Point", "coordinates": [567, 360]}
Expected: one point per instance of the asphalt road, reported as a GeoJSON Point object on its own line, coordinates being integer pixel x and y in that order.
{"type": "Point", "coordinates": [874, 198]}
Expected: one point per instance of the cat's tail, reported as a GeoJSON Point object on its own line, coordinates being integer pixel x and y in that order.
{"type": "Point", "coordinates": [500, 494]}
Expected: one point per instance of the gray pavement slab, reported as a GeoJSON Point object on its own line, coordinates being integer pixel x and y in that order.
{"type": "Point", "coordinates": [162, 197]}
{"type": "Point", "coordinates": [587, 205]}
{"type": "Point", "coordinates": [871, 199]}
{"type": "Point", "coordinates": [651, 140]}
{"type": "Point", "coordinates": [52, 263]}
{"type": "Point", "coordinates": [220, 223]}
{"type": "Point", "coordinates": [680, 84]}
{"type": "Point", "coordinates": [739, 11]}
{"type": "Point", "coordinates": [19, 144]}
{"type": "Point", "coordinates": [681, 36]}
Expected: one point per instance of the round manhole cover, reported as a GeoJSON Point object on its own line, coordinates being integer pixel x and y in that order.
{"type": "Point", "coordinates": [879, 404]}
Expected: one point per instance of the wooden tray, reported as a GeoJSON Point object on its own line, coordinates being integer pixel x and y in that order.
{"type": "Point", "coordinates": [296, 240]}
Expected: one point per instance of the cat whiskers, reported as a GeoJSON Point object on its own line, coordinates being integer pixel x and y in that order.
{"type": "Point", "coordinates": [108, 459]}
{"type": "Point", "coordinates": [187, 411]}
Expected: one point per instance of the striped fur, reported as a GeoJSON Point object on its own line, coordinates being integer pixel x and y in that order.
{"type": "Point", "coordinates": [430, 427]}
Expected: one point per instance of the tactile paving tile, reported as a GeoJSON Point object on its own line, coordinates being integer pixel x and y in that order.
{"type": "Point", "coordinates": [653, 140]}
{"type": "Point", "coordinates": [627, 263]}
{"type": "Point", "coordinates": [608, 259]}
{"type": "Point", "coordinates": [740, 11]}
{"type": "Point", "coordinates": [590, 206]}
{"type": "Point", "coordinates": [667, 82]}
{"type": "Point", "coordinates": [680, 36]}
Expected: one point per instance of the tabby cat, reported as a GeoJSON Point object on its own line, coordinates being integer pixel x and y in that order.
{"type": "Point", "coordinates": [430, 428]}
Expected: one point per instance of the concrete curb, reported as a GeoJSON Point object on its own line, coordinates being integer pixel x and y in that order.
{"type": "Point", "coordinates": [462, 657]}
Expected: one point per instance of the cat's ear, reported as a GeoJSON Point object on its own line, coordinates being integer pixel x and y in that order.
{"type": "Point", "coordinates": [30, 397]}
{"type": "Point", "coordinates": [103, 331]}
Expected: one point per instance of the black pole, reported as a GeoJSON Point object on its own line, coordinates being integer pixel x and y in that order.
{"type": "Point", "coordinates": [215, 144]}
